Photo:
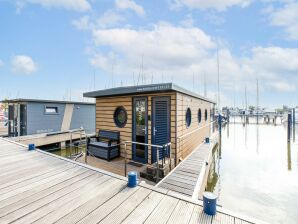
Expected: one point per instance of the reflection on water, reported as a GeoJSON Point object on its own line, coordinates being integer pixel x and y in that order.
{"type": "Point", "coordinates": [255, 172]}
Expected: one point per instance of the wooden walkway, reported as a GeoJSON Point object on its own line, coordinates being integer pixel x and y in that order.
{"type": "Point", "coordinates": [189, 177]}
{"type": "Point", "coordinates": [38, 187]}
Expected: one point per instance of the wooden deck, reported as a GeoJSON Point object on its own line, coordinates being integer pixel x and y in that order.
{"type": "Point", "coordinates": [38, 187]}
{"type": "Point", "coordinates": [189, 177]}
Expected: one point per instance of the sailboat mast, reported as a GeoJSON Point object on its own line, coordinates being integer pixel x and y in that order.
{"type": "Point", "coordinates": [218, 93]}
{"type": "Point", "coordinates": [257, 110]}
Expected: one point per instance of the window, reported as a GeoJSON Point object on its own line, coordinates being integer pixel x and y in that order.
{"type": "Point", "coordinates": [188, 117]}
{"type": "Point", "coordinates": [51, 110]}
{"type": "Point", "coordinates": [199, 116]}
{"type": "Point", "coordinates": [120, 117]}
{"type": "Point", "coordinates": [206, 114]}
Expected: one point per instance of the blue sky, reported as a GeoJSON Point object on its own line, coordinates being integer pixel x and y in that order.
{"type": "Point", "coordinates": [55, 49]}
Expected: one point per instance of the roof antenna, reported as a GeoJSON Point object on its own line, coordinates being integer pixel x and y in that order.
{"type": "Point", "coordinates": [94, 79]}
{"type": "Point", "coordinates": [113, 72]}
{"type": "Point", "coordinates": [133, 77]}
{"type": "Point", "coordinates": [205, 85]}
{"type": "Point", "coordinates": [143, 75]}
{"type": "Point", "coordinates": [193, 81]}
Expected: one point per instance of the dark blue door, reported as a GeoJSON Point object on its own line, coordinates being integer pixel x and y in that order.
{"type": "Point", "coordinates": [160, 124]}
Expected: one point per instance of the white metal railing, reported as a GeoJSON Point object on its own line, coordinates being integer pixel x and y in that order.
{"type": "Point", "coordinates": [81, 131]}
{"type": "Point", "coordinates": [158, 147]}
{"type": "Point", "coordinates": [180, 138]}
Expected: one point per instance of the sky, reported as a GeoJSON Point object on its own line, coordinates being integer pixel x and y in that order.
{"type": "Point", "coordinates": [58, 49]}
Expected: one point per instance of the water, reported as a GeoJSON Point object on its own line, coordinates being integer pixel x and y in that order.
{"type": "Point", "coordinates": [256, 172]}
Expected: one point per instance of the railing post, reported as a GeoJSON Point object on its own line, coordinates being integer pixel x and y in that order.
{"type": "Point", "coordinates": [125, 160]}
{"type": "Point", "coordinates": [157, 164]}
{"type": "Point", "coordinates": [170, 157]}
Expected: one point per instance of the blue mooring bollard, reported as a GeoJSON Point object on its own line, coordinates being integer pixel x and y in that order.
{"type": "Point", "coordinates": [209, 203]}
{"type": "Point", "coordinates": [132, 179]}
{"type": "Point", "coordinates": [31, 147]}
{"type": "Point", "coordinates": [207, 140]}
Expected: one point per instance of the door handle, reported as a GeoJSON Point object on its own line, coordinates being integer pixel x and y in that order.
{"type": "Point", "coordinates": [145, 129]}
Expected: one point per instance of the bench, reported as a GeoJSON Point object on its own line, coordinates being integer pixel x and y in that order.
{"type": "Point", "coordinates": [106, 146]}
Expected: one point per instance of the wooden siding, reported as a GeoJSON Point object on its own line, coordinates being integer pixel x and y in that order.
{"type": "Point", "coordinates": [106, 106]}
{"type": "Point", "coordinates": [186, 144]}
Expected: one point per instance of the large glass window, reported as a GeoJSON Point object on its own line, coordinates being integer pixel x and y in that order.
{"type": "Point", "coordinates": [206, 114]}
{"type": "Point", "coordinates": [188, 117]}
{"type": "Point", "coordinates": [120, 117]}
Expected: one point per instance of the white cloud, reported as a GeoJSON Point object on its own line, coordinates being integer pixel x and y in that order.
{"type": "Point", "coordinates": [287, 18]}
{"type": "Point", "coordinates": [82, 23]}
{"type": "Point", "coordinates": [76, 5]}
{"type": "Point", "coordinates": [178, 53]}
{"type": "Point", "coordinates": [23, 64]}
{"type": "Point", "coordinates": [109, 19]}
{"type": "Point", "coordinates": [1, 63]}
{"type": "Point", "coordinates": [164, 45]}
{"type": "Point", "coordinates": [130, 4]}
{"type": "Point", "coordinates": [209, 4]}
{"type": "Point", "coordinates": [106, 20]}
{"type": "Point", "coordinates": [282, 86]}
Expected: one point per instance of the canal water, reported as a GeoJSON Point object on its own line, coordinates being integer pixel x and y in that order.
{"type": "Point", "coordinates": [255, 172]}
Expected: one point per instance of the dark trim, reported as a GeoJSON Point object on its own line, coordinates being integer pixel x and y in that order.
{"type": "Point", "coordinates": [144, 89]}
{"type": "Point", "coordinates": [133, 147]}
{"type": "Point", "coordinates": [44, 101]}
{"type": "Point", "coordinates": [153, 99]}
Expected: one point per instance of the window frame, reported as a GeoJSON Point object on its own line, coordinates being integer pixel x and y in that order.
{"type": "Point", "coordinates": [56, 108]}
{"type": "Point", "coordinates": [115, 115]}
{"type": "Point", "coordinates": [199, 116]}
{"type": "Point", "coordinates": [188, 117]}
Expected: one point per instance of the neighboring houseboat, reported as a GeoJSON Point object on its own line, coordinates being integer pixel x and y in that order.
{"type": "Point", "coordinates": [154, 114]}
{"type": "Point", "coordinates": [31, 116]}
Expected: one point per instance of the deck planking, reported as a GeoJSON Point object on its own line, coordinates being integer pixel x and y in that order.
{"type": "Point", "coordinates": [58, 190]}
{"type": "Point", "coordinates": [185, 178]}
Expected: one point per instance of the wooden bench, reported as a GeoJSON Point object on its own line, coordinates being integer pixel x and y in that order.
{"type": "Point", "coordinates": [106, 146]}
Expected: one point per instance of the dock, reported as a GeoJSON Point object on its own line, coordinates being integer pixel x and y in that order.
{"type": "Point", "coordinates": [40, 187]}
{"type": "Point", "coordinates": [50, 138]}
{"type": "Point", "coordinates": [189, 177]}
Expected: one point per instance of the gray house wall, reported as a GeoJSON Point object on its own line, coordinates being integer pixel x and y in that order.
{"type": "Point", "coordinates": [40, 122]}
{"type": "Point", "coordinates": [83, 116]}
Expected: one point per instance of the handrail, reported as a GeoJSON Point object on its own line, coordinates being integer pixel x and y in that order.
{"type": "Point", "coordinates": [189, 133]}
{"type": "Point", "coordinates": [180, 138]}
{"type": "Point", "coordinates": [151, 145]}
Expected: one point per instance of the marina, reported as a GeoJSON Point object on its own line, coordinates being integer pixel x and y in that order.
{"type": "Point", "coordinates": [148, 112]}
{"type": "Point", "coordinates": [257, 168]}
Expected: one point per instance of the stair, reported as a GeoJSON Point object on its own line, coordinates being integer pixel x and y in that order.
{"type": "Point", "coordinates": [150, 173]}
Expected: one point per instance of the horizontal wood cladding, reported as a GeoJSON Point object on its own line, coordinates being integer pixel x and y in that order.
{"type": "Point", "coordinates": [106, 106]}
{"type": "Point", "coordinates": [189, 138]}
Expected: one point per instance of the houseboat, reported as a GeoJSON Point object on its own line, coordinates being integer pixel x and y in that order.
{"type": "Point", "coordinates": [35, 116]}
{"type": "Point", "coordinates": [153, 115]}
